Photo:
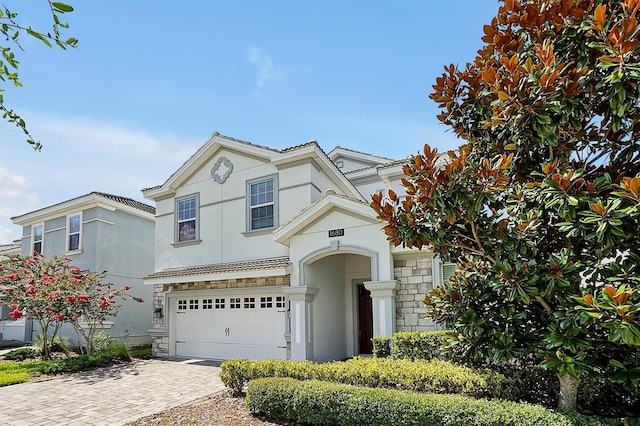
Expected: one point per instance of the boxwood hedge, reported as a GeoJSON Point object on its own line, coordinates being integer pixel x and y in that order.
{"type": "Point", "coordinates": [433, 376]}
{"type": "Point", "coordinates": [315, 402]}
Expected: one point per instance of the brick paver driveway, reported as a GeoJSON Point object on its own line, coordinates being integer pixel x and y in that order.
{"type": "Point", "coordinates": [109, 396]}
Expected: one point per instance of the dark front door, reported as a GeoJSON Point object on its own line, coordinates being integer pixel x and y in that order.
{"type": "Point", "coordinates": [365, 320]}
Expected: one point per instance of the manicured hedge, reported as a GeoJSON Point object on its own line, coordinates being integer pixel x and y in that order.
{"type": "Point", "coordinates": [432, 376]}
{"type": "Point", "coordinates": [315, 402]}
{"type": "Point", "coordinates": [417, 345]}
{"type": "Point", "coordinates": [381, 347]}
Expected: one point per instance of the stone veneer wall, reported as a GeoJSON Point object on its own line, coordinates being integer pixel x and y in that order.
{"type": "Point", "coordinates": [160, 343]}
{"type": "Point", "coordinates": [416, 279]}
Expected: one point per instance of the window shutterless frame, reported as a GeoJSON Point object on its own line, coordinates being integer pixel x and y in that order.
{"type": "Point", "coordinates": [74, 231]}
{"type": "Point", "coordinates": [37, 238]}
{"type": "Point", "coordinates": [187, 226]}
{"type": "Point", "coordinates": [262, 203]}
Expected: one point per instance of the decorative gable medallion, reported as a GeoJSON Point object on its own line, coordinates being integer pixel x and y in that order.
{"type": "Point", "coordinates": [221, 170]}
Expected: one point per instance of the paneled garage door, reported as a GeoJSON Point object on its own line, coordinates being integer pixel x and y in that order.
{"type": "Point", "coordinates": [230, 326]}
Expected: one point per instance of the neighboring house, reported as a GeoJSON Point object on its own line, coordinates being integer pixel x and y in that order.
{"type": "Point", "coordinates": [14, 247]}
{"type": "Point", "coordinates": [9, 330]}
{"type": "Point", "coordinates": [100, 232]}
{"type": "Point", "coordinates": [266, 253]}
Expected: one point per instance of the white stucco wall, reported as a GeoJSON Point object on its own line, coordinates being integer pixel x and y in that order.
{"type": "Point", "coordinates": [329, 324]}
{"type": "Point", "coordinates": [361, 236]}
{"type": "Point", "coordinates": [223, 211]}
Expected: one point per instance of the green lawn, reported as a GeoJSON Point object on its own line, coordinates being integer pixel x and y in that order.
{"type": "Point", "coordinates": [18, 372]}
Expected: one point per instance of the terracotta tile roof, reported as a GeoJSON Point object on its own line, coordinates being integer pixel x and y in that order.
{"type": "Point", "coordinates": [361, 152]}
{"type": "Point", "coordinates": [219, 268]}
{"type": "Point", "coordinates": [117, 198]}
{"type": "Point", "coordinates": [11, 246]}
{"type": "Point", "coordinates": [394, 163]}
{"type": "Point", "coordinates": [128, 202]}
{"type": "Point", "coordinates": [381, 166]}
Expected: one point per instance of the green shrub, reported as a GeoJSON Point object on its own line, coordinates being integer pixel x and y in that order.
{"type": "Point", "coordinates": [433, 376]}
{"type": "Point", "coordinates": [77, 363]}
{"type": "Point", "coordinates": [526, 380]}
{"type": "Point", "coordinates": [315, 402]}
{"type": "Point", "coordinates": [57, 344]}
{"type": "Point", "coordinates": [418, 345]}
{"type": "Point", "coordinates": [118, 349]}
{"type": "Point", "coordinates": [381, 347]}
{"type": "Point", "coordinates": [141, 352]}
{"type": "Point", "coordinates": [21, 354]}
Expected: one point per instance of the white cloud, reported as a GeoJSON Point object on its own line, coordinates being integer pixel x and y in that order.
{"type": "Point", "coordinates": [16, 197]}
{"type": "Point", "coordinates": [80, 156]}
{"type": "Point", "coordinates": [6, 235]}
{"type": "Point", "coordinates": [264, 65]}
{"type": "Point", "coordinates": [11, 185]}
{"type": "Point", "coordinates": [87, 135]}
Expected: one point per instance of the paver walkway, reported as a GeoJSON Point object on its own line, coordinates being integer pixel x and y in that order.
{"type": "Point", "coordinates": [109, 396]}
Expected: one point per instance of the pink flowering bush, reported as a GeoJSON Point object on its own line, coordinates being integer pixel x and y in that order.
{"type": "Point", "coordinates": [52, 292]}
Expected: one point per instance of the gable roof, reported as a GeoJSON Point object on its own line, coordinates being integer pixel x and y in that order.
{"type": "Point", "coordinates": [320, 208]}
{"type": "Point", "coordinates": [310, 150]}
{"type": "Point", "coordinates": [360, 156]}
{"type": "Point", "coordinates": [83, 202]}
{"type": "Point", "coordinates": [277, 266]}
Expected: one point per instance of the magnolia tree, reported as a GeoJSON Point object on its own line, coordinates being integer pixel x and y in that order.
{"type": "Point", "coordinates": [541, 206]}
{"type": "Point", "coordinates": [52, 292]}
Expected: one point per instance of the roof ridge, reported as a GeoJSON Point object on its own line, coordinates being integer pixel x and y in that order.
{"type": "Point", "coordinates": [117, 198]}
{"type": "Point", "coordinates": [362, 152]}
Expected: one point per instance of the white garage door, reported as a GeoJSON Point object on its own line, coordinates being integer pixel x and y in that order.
{"type": "Point", "coordinates": [228, 327]}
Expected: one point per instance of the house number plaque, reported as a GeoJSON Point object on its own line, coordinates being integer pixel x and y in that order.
{"type": "Point", "coordinates": [336, 232]}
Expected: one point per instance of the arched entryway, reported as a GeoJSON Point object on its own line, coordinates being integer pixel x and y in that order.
{"type": "Point", "coordinates": [342, 309]}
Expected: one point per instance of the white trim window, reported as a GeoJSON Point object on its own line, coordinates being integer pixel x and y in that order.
{"type": "Point", "coordinates": [187, 218]}
{"type": "Point", "coordinates": [37, 238]}
{"type": "Point", "coordinates": [262, 203]}
{"type": "Point", "coordinates": [442, 272]}
{"type": "Point", "coordinates": [74, 227]}
{"type": "Point", "coordinates": [448, 269]}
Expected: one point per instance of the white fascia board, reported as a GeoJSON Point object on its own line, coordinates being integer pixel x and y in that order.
{"type": "Point", "coordinates": [73, 206]}
{"type": "Point", "coordinates": [258, 273]}
{"type": "Point", "coordinates": [362, 173]}
{"type": "Point", "coordinates": [200, 158]}
{"type": "Point", "coordinates": [395, 170]}
{"type": "Point", "coordinates": [346, 153]}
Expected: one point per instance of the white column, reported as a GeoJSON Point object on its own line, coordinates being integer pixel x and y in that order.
{"type": "Point", "coordinates": [301, 299]}
{"type": "Point", "coordinates": [383, 295]}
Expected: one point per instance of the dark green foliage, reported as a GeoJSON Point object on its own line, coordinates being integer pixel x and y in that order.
{"type": "Point", "coordinates": [418, 345]}
{"type": "Point", "coordinates": [315, 402]}
{"type": "Point", "coordinates": [420, 375]}
{"type": "Point", "coordinates": [21, 354]}
{"type": "Point", "coordinates": [80, 363]}
{"type": "Point", "coordinates": [141, 352]}
{"type": "Point", "coordinates": [381, 347]}
{"type": "Point", "coordinates": [540, 208]}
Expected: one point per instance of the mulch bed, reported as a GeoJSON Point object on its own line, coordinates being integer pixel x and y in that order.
{"type": "Point", "coordinates": [219, 409]}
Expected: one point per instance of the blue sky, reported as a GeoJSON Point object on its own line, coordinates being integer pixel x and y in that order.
{"type": "Point", "coordinates": [151, 81]}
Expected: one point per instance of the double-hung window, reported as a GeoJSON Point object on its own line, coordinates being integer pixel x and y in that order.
{"type": "Point", "coordinates": [187, 219]}
{"type": "Point", "coordinates": [73, 232]}
{"type": "Point", "coordinates": [37, 235]}
{"type": "Point", "coordinates": [262, 203]}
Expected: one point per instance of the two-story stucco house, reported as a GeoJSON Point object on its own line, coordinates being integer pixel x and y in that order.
{"type": "Point", "coordinates": [266, 253]}
{"type": "Point", "coordinates": [99, 232]}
